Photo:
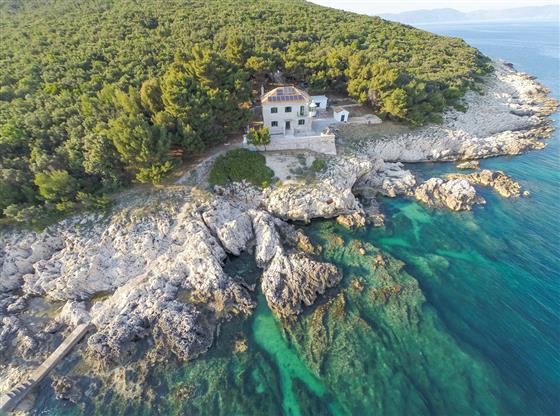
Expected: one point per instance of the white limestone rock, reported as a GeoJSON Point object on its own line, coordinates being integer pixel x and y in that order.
{"type": "Point", "coordinates": [192, 262]}
{"type": "Point", "coordinates": [267, 238]}
{"type": "Point", "coordinates": [73, 314]}
{"type": "Point", "coordinates": [469, 164]}
{"type": "Point", "coordinates": [497, 180]}
{"type": "Point", "coordinates": [330, 196]}
{"type": "Point", "coordinates": [230, 223]}
{"type": "Point", "coordinates": [19, 252]}
{"type": "Point", "coordinates": [455, 194]}
{"type": "Point", "coordinates": [388, 179]}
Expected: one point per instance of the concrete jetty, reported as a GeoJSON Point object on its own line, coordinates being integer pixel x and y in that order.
{"type": "Point", "coordinates": [9, 400]}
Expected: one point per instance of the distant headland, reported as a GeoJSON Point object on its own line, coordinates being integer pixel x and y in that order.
{"type": "Point", "coordinates": [448, 15]}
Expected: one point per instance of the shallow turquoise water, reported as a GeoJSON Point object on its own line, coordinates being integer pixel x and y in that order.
{"type": "Point", "coordinates": [468, 324]}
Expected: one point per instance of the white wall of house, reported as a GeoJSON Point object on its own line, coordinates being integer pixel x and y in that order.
{"type": "Point", "coordinates": [287, 118]}
{"type": "Point", "coordinates": [341, 115]}
{"type": "Point", "coordinates": [321, 101]}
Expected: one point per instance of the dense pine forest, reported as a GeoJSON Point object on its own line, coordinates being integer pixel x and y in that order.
{"type": "Point", "coordinates": [96, 94]}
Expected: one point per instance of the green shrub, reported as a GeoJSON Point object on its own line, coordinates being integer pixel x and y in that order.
{"type": "Point", "coordinates": [319, 165]}
{"type": "Point", "coordinates": [241, 164]}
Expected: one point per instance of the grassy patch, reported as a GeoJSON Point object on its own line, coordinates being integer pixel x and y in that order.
{"type": "Point", "coordinates": [241, 164]}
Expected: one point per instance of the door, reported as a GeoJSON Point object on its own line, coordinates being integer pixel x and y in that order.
{"type": "Point", "coordinates": [288, 125]}
{"type": "Point", "coordinates": [342, 117]}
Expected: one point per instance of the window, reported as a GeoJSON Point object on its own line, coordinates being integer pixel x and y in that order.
{"type": "Point", "coordinates": [301, 122]}
{"type": "Point", "coordinates": [274, 110]}
{"type": "Point", "coordinates": [288, 109]}
{"type": "Point", "coordinates": [302, 110]}
{"type": "Point", "coordinates": [274, 124]}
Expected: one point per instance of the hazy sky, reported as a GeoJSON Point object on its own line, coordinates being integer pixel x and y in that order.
{"type": "Point", "coordinates": [395, 6]}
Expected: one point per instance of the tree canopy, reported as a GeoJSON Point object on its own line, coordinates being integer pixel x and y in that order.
{"type": "Point", "coordinates": [98, 93]}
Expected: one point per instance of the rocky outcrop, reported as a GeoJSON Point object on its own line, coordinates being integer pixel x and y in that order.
{"type": "Point", "coordinates": [388, 179]}
{"type": "Point", "coordinates": [20, 252]}
{"type": "Point", "coordinates": [334, 193]}
{"type": "Point", "coordinates": [267, 238]}
{"type": "Point", "coordinates": [455, 194]}
{"type": "Point", "coordinates": [154, 271]}
{"type": "Point", "coordinates": [191, 262]}
{"type": "Point", "coordinates": [230, 223]}
{"type": "Point", "coordinates": [292, 280]}
{"type": "Point", "coordinates": [330, 196]}
{"type": "Point", "coordinates": [469, 164]}
{"type": "Point", "coordinates": [181, 328]}
{"type": "Point", "coordinates": [497, 180]}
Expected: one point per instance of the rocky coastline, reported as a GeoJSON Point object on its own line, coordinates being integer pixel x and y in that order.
{"type": "Point", "coordinates": [510, 117]}
{"type": "Point", "coordinates": [151, 272]}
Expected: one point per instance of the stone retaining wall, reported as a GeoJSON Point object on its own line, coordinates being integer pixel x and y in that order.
{"type": "Point", "coordinates": [320, 144]}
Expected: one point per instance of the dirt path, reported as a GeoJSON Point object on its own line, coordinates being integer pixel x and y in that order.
{"type": "Point", "coordinates": [190, 166]}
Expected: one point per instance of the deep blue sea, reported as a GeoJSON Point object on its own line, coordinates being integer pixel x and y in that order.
{"type": "Point", "coordinates": [500, 295]}
{"type": "Point", "coordinates": [461, 316]}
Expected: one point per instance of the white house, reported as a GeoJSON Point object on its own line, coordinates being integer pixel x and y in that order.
{"type": "Point", "coordinates": [287, 110]}
{"type": "Point", "coordinates": [298, 121]}
{"type": "Point", "coordinates": [341, 115]}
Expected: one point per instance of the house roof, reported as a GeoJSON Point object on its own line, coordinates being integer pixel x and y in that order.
{"type": "Point", "coordinates": [340, 110]}
{"type": "Point", "coordinates": [287, 93]}
{"type": "Point", "coordinates": [319, 98]}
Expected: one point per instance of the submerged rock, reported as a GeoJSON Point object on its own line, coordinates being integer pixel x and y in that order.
{"type": "Point", "coordinates": [355, 220]}
{"type": "Point", "coordinates": [455, 194]}
{"type": "Point", "coordinates": [376, 325]}
{"type": "Point", "coordinates": [65, 389]}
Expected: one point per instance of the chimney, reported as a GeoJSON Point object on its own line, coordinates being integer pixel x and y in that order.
{"type": "Point", "coordinates": [262, 90]}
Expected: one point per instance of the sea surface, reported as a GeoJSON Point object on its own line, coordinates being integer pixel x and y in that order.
{"type": "Point", "coordinates": [438, 312]}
